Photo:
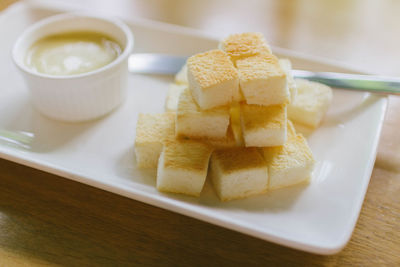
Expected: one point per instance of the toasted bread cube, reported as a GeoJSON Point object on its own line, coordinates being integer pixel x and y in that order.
{"type": "Point", "coordinates": [291, 163]}
{"type": "Point", "coordinates": [312, 102]}
{"type": "Point", "coordinates": [235, 124]}
{"type": "Point", "coordinates": [182, 167]}
{"type": "Point", "coordinates": [228, 142]}
{"type": "Point", "coordinates": [193, 122]}
{"type": "Point", "coordinates": [213, 79]}
{"type": "Point", "coordinates": [291, 130]}
{"type": "Point", "coordinates": [263, 126]}
{"type": "Point", "coordinates": [243, 45]}
{"type": "Point", "coordinates": [181, 76]}
{"type": "Point", "coordinates": [151, 131]}
{"type": "Point", "coordinates": [174, 91]}
{"type": "Point", "coordinates": [238, 173]}
{"type": "Point", "coordinates": [262, 81]}
{"type": "Point", "coordinates": [286, 66]}
{"type": "Point", "coordinates": [303, 129]}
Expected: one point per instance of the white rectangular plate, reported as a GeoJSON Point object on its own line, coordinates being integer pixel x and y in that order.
{"type": "Point", "coordinates": [317, 218]}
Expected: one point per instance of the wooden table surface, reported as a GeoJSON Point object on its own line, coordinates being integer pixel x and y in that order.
{"type": "Point", "coordinates": [49, 220]}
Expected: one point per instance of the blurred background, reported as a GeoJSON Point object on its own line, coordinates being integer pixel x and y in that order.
{"type": "Point", "coordinates": [361, 33]}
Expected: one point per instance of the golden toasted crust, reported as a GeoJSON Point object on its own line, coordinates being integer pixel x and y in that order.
{"type": "Point", "coordinates": [293, 153]}
{"type": "Point", "coordinates": [254, 117]}
{"type": "Point", "coordinates": [245, 45]}
{"type": "Point", "coordinates": [234, 159]}
{"type": "Point", "coordinates": [187, 106]}
{"type": "Point", "coordinates": [154, 127]}
{"type": "Point", "coordinates": [211, 68]}
{"type": "Point", "coordinates": [259, 67]}
{"type": "Point", "coordinates": [186, 155]}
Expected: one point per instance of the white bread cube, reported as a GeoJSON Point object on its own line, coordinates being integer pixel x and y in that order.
{"type": "Point", "coordinates": [181, 76]}
{"type": "Point", "coordinates": [193, 122]}
{"type": "Point", "coordinates": [182, 167]}
{"type": "Point", "coordinates": [291, 163]}
{"type": "Point", "coordinates": [213, 79]}
{"type": "Point", "coordinates": [262, 80]}
{"type": "Point", "coordinates": [243, 45]}
{"type": "Point", "coordinates": [151, 131]}
{"type": "Point", "coordinates": [303, 129]}
{"type": "Point", "coordinates": [286, 66]}
{"type": "Point", "coordinates": [238, 173]}
{"type": "Point", "coordinates": [311, 104]}
{"type": "Point", "coordinates": [174, 91]}
{"type": "Point", "coordinates": [235, 124]}
{"type": "Point", "coordinates": [263, 126]}
{"type": "Point", "coordinates": [291, 130]}
{"type": "Point", "coordinates": [228, 142]}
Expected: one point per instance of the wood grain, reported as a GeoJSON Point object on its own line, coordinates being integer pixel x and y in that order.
{"type": "Point", "coordinates": [47, 220]}
{"type": "Point", "coordinates": [54, 220]}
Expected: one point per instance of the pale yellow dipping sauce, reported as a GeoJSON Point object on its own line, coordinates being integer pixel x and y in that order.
{"type": "Point", "coordinates": [72, 53]}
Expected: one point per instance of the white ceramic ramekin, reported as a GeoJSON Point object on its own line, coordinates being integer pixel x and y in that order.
{"type": "Point", "coordinates": [83, 96]}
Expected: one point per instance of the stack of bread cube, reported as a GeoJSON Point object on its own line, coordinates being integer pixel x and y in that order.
{"type": "Point", "coordinates": [227, 119]}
